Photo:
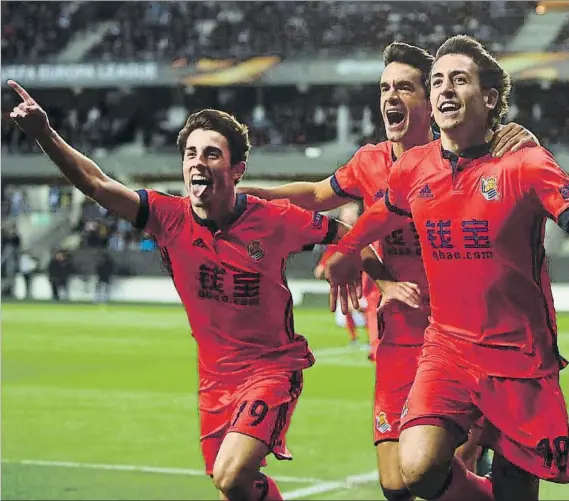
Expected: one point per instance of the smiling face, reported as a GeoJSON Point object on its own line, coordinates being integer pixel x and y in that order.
{"type": "Point", "coordinates": [457, 98]}
{"type": "Point", "coordinates": [404, 105]}
{"type": "Point", "coordinates": [208, 174]}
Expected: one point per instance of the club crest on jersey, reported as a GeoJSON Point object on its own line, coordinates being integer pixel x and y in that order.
{"type": "Point", "coordinates": [489, 188]}
{"type": "Point", "coordinates": [379, 195]}
{"type": "Point", "coordinates": [381, 423]}
{"type": "Point", "coordinates": [564, 190]}
{"type": "Point", "coordinates": [255, 250]}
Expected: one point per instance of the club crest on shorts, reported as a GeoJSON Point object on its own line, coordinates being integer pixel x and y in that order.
{"type": "Point", "coordinates": [381, 423]}
{"type": "Point", "coordinates": [255, 250]}
{"type": "Point", "coordinates": [564, 190]}
{"type": "Point", "coordinates": [489, 188]}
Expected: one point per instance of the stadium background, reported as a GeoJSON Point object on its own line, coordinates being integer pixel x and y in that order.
{"type": "Point", "coordinates": [99, 398]}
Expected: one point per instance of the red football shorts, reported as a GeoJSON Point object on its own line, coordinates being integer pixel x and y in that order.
{"type": "Point", "coordinates": [395, 369]}
{"type": "Point", "coordinates": [526, 419]}
{"type": "Point", "coordinates": [260, 407]}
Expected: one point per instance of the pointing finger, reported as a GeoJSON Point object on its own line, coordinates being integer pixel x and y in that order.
{"type": "Point", "coordinates": [21, 91]}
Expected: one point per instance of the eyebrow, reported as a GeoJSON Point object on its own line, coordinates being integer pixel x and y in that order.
{"type": "Point", "coordinates": [398, 82]}
{"type": "Point", "coordinates": [452, 74]}
{"type": "Point", "coordinates": [207, 149]}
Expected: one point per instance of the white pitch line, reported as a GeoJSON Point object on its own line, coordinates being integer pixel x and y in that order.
{"type": "Point", "coordinates": [146, 469]}
{"type": "Point", "coordinates": [322, 487]}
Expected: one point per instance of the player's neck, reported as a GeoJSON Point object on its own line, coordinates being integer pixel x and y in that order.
{"type": "Point", "coordinates": [460, 139]}
{"type": "Point", "coordinates": [410, 142]}
{"type": "Point", "coordinates": [219, 212]}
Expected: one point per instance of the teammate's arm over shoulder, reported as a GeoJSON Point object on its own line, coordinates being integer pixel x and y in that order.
{"type": "Point", "coordinates": [543, 178]}
{"type": "Point", "coordinates": [317, 196]}
{"type": "Point", "coordinates": [512, 137]}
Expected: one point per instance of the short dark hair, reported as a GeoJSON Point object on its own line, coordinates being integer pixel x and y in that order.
{"type": "Point", "coordinates": [399, 52]}
{"type": "Point", "coordinates": [236, 133]}
{"type": "Point", "coordinates": [491, 74]}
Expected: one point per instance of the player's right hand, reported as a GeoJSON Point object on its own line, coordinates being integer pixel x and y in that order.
{"type": "Point", "coordinates": [345, 278]}
{"type": "Point", "coordinates": [405, 292]}
{"type": "Point", "coordinates": [28, 115]}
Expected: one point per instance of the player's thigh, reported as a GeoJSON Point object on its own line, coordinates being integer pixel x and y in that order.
{"type": "Point", "coordinates": [529, 424]}
{"type": "Point", "coordinates": [425, 448]}
{"type": "Point", "coordinates": [512, 483]}
{"type": "Point", "coordinates": [239, 455]}
{"type": "Point", "coordinates": [387, 453]}
{"type": "Point", "coordinates": [437, 415]}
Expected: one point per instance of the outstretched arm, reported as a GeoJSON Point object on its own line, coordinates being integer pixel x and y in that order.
{"type": "Point", "coordinates": [374, 224]}
{"type": "Point", "coordinates": [318, 196]}
{"type": "Point", "coordinates": [80, 170]}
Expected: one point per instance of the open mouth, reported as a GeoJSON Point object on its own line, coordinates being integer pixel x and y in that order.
{"type": "Point", "coordinates": [394, 117]}
{"type": "Point", "coordinates": [200, 184]}
{"type": "Point", "coordinates": [448, 108]}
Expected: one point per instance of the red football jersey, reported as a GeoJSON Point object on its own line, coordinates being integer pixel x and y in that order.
{"type": "Point", "coordinates": [481, 222]}
{"type": "Point", "coordinates": [232, 282]}
{"type": "Point", "coordinates": [365, 177]}
{"type": "Point", "coordinates": [328, 253]}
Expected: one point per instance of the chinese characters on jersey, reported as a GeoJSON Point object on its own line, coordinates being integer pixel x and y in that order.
{"type": "Point", "coordinates": [229, 286]}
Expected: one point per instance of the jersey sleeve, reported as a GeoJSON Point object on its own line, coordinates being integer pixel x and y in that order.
{"type": "Point", "coordinates": [328, 253]}
{"type": "Point", "coordinates": [543, 178]}
{"type": "Point", "coordinates": [396, 195]}
{"type": "Point", "coordinates": [373, 225]}
{"type": "Point", "coordinates": [160, 215]}
{"type": "Point", "coordinates": [302, 227]}
{"type": "Point", "coordinates": [344, 181]}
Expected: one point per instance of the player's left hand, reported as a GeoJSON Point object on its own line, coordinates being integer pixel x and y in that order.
{"type": "Point", "coordinates": [512, 137]}
{"type": "Point", "coordinates": [344, 274]}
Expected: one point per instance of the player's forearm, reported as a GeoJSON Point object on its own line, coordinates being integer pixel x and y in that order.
{"type": "Point", "coordinates": [81, 171]}
{"type": "Point", "coordinates": [303, 194]}
{"type": "Point", "coordinates": [371, 263]}
{"type": "Point", "coordinates": [374, 267]}
{"type": "Point", "coordinates": [373, 225]}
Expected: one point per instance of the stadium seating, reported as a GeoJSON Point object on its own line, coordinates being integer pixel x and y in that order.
{"type": "Point", "coordinates": [241, 29]}
{"type": "Point", "coordinates": [169, 30]}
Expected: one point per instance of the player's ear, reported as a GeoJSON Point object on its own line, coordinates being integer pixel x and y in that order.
{"type": "Point", "coordinates": [491, 97]}
{"type": "Point", "coordinates": [238, 171]}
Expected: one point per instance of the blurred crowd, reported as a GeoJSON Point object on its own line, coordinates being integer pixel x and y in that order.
{"type": "Point", "coordinates": [99, 229]}
{"type": "Point", "coordinates": [140, 30]}
{"type": "Point", "coordinates": [92, 120]}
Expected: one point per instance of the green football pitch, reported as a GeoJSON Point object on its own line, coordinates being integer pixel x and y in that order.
{"type": "Point", "coordinates": [99, 402]}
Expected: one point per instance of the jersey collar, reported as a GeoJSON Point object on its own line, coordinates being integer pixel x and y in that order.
{"type": "Point", "coordinates": [458, 161]}
{"type": "Point", "coordinates": [238, 210]}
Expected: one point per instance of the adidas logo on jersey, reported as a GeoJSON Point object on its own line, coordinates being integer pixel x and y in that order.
{"type": "Point", "coordinates": [198, 242]}
{"type": "Point", "coordinates": [426, 192]}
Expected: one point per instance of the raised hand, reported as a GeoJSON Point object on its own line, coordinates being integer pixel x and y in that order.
{"type": "Point", "coordinates": [28, 115]}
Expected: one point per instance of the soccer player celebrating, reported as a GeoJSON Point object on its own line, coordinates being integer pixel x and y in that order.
{"type": "Point", "coordinates": [226, 254]}
{"type": "Point", "coordinates": [406, 115]}
{"type": "Point", "coordinates": [491, 346]}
